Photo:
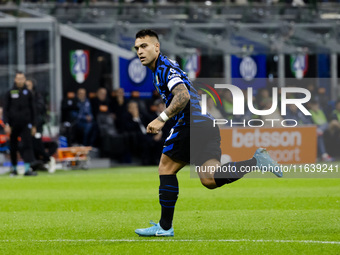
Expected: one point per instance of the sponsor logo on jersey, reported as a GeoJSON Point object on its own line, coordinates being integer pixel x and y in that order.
{"type": "Point", "coordinates": [170, 76]}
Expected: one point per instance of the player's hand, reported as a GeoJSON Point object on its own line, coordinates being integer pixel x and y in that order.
{"type": "Point", "coordinates": [33, 131]}
{"type": "Point", "coordinates": [8, 129]}
{"type": "Point", "coordinates": [155, 126]}
{"type": "Point", "coordinates": [157, 137]}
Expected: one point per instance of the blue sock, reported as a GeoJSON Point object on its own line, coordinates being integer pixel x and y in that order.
{"type": "Point", "coordinates": [234, 173]}
{"type": "Point", "coordinates": [27, 167]}
{"type": "Point", "coordinates": [168, 193]}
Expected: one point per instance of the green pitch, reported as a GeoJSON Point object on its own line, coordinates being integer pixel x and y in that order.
{"type": "Point", "coordinates": [96, 212]}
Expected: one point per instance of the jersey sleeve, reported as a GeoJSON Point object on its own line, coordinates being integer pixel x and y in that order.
{"type": "Point", "coordinates": [173, 78]}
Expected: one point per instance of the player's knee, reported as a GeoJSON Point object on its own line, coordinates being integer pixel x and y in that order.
{"type": "Point", "coordinates": [165, 170]}
{"type": "Point", "coordinates": [209, 183]}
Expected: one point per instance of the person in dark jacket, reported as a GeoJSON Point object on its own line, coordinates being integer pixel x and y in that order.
{"type": "Point", "coordinates": [40, 153]}
{"type": "Point", "coordinates": [20, 120]}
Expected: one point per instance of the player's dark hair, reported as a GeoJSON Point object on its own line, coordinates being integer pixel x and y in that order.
{"type": "Point", "coordinates": [19, 72]}
{"type": "Point", "coordinates": [146, 32]}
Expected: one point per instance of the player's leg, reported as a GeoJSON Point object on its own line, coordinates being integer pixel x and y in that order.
{"type": "Point", "coordinates": [213, 175]}
{"type": "Point", "coordinates": [206, 152]}
{"type": "Point", "coordinates": [13, 145]}
{"type": "Point", "coordinates": [175, 156]}
{"type": "Point", "coordinates": [27, 150]}
{"type": "Point", "coordinates": [168, 188]}
{"type": "Point", "coordinates": [168, 194]}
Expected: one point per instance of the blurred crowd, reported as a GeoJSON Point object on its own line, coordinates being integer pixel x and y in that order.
{"type": "Point", "coordinates": [114, 124]}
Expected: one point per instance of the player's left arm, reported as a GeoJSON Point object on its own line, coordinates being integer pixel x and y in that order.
{"type": "Point", "coordinates": [178, 103]}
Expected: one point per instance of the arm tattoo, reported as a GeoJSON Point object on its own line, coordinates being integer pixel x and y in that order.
{"type": "Point", "coordinates": [179, 101]}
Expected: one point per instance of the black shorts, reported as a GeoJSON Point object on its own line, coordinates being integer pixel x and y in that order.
{"type": "Point", "coordinates": [193, 145]}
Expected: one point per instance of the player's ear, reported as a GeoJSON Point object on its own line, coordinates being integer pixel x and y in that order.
{"type": "Point", "coordinates": [157, 47]}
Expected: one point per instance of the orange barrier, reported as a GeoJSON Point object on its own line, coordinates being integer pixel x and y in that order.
{"type": "Point", "coordinates": [295, 145]}
{"type": "Point", "coordinates": [74, 157]}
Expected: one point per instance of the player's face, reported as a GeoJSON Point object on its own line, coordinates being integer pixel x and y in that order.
{"type": "Point", "coordinates": [20, 80]}
{"type": "Point", "coordinates": [147, 49]}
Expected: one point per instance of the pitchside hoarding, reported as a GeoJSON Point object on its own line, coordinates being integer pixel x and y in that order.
{"type": "Point", "coordinates": [296, 145]}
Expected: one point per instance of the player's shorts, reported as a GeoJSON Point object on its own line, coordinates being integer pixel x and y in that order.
{"type": "Point", "coordinates": [193, 145]}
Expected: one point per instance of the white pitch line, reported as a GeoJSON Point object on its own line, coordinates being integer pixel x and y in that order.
{"type": "Point", "coordinates": [174, 240]}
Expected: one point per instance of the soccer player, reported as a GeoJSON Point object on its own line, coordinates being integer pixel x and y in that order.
{"type": "Point", "coordinates": [192, 131]}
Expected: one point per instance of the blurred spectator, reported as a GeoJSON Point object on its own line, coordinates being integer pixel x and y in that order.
{"type": "Point", "coordinates": [314, 93]}
{"type": "Point", "coordinates": [103, 116]}
{"type": "Point", "coordinates": [69, 108]}
{"type": "Point", "coordinates": [248, 115]}
{"type": "Point", "coordinates": [294, 113]}
{"type": "Point", "coordinates": [69, 111]}
{"type": "Point", "coordinates": [227, 103]}
{"type": "Point", "coordinates": [40, 153]}
{"type": "Point", "coordinates": [322, 97]}
{"type": "Point", "coordinates": [262, 97]}
{"type": "Point", "coordinates": [84, 119]}
{"type": "Point", "coordinates": [101, 104]}
{"type": "Point", "coordinates": [336, 112]}
{"type": "Point", "coordinates": [275, 116]}
{"type": "Point", "coordinates": [142, 104]}
{"type": "Point", "coordinates": [150, 102]}
{"type": "Point", "coordinates": [212, 109]}
{"type": "Point", "coordinates": [332, 134]}
{"type": "Point", "coordinates": [319, 118]}
{"type": "Point", "coordinates": [118, 106]}
{"type": "Point", "coordinates": [158, 139]}
{"type": "Point", "coordinates": [4, 145]}
{"type": "Point", "coordinates": [142, 144]}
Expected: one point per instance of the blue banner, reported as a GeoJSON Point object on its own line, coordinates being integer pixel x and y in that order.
{"type": "Point", "coordinates": [324, 67]}
{"type": "Point", "coordinates": [246, 70]}
{"type": "Point", "coordinates": [135, 77]}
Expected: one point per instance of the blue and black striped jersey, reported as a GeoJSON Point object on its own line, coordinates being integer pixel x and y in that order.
{"type": "Point", "coordinates": [165, 78]}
